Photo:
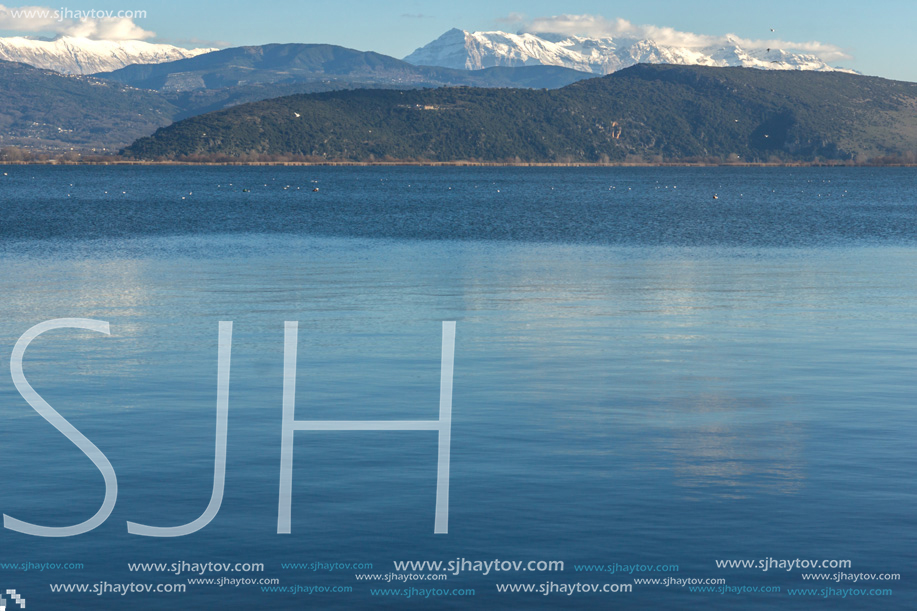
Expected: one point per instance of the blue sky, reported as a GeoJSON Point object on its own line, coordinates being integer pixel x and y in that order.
{"type": "Point", "coordinates": [877, 37]}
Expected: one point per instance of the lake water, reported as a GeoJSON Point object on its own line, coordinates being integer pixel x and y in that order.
{"type": "Point", "coordinates": [644, 375]}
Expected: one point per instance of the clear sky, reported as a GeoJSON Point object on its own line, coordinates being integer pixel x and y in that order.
{"type": "Point", "coordinates": [876, 37]}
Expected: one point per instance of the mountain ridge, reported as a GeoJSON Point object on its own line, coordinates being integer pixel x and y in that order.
{"type": "Point", "coordinates": [462, 49]}
{"type": "Point", "coordinates": [210, 82]}
{"type": "Point", "coordinates": [289, 63]}
{"type": "Point", "coordinates": [74, 55]}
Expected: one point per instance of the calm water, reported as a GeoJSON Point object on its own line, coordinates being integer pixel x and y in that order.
{"type": "Point", "coordinates": [643, 375]}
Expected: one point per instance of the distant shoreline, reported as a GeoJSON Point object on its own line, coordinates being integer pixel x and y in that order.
{"type": "Point", "coordinates": [476, 164]}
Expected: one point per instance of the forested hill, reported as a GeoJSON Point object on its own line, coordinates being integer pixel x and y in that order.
{"type": "Point", "coordinates": [646, 112]}
{"type": "Point", "coordinates": [43, 109]}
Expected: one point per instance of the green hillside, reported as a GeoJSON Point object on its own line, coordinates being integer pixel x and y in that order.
{"type": "Point", "coordinates": [647, 112]}
{"type": "Point", "coordinates": [42, 109]}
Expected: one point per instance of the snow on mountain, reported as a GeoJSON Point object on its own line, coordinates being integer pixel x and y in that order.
{"type": "Point", "coordinates": [84, 56]}
{"type": "Point", "coordinates": [476, 50]}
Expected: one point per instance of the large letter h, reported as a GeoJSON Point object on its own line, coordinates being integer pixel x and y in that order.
{"type": "Point", "coordinates": [290, 425]}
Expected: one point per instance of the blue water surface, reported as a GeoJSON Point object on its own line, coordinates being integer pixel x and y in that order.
{"type": "Point", "coordinates": [644, 375]}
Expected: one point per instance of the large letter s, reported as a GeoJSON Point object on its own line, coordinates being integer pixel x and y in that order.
{"type": "Point", "coordinates": [60, 423]}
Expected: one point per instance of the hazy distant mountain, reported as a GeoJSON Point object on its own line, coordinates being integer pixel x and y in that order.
{"type": "Point", "coordinates": [71, 55]}
{"type": "Point", "coordinates": [645, 112]}
{"type": "Point", "coordinates": [476, 50]}
{"type": "Point", "coordinates": [330, 65]}
{"type": "Point", "coordinates": [43, 109]}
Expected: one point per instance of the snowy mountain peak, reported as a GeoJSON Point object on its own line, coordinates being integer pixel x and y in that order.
{"type": "Point", "coordinates": [71, 55]}
{"type": "Point", "coordinates": [476, 50]}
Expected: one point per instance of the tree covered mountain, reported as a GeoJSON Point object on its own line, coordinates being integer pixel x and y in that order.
{"type": "Point", "coordinates": [286, 64]}
{"type": "Point", "coordinates": [646, 112]}
{"type": "Point", "coordinates": [43, 109]}
{"type": "Point", "coordinates": [248, 74]}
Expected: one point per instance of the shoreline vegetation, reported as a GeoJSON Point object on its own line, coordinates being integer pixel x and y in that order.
{"type": "Point", "coordinates": [70, 160]}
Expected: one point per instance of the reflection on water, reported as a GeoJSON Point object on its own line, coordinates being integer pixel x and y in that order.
{"type": "Point", "coordinates": [713, 447]}
{"type": "Point", "coordinates": [579, 335]}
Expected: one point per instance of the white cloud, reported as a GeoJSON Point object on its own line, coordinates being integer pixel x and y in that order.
{"type": "Point", "coordinates": [42, 19]}
{"type": "Point", "coordinates": [596, 26]}
{"type": "Point", "coordinates": [195, 42]}
{"type": "Point", "coordinates": [512, 18]}
{"type": "Point", "coordinates": [108, 29]}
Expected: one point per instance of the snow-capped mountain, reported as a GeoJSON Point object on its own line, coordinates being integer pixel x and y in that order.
{"type": "Point", "coordinates": [476, 50]}
{"type": "Point", "coordinates": [71, 55]}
